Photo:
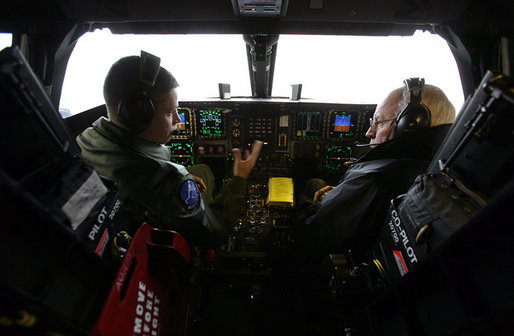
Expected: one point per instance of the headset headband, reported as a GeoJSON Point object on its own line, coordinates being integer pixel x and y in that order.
{"type": "Point", "coordinates": [415, 87]}
{"type": "Point", "coordinates": [415, 115]}
{"type": "Point", "coordinates": [148, 68]}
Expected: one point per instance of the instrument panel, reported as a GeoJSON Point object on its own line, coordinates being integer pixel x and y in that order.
{"type": "Point", "coordinates": [323, 132]}
{"type": "Point", "coordinates": [301, 140]}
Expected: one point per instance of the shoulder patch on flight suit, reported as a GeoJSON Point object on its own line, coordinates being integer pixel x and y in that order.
{"type": "Point", "coordinates": [189, 194]}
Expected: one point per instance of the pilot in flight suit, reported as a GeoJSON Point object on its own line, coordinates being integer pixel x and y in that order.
{"type": "Point", "coordinates": [154, 189]}
{"type": "Point", "coordinates": [158, 191]}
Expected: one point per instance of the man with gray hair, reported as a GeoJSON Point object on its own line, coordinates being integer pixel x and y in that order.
{"type": "Point", "coordinates": [406, 130]}
{"type": "Point", "coordinates": [382, 124]}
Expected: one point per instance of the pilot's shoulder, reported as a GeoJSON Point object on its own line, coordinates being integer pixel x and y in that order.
{"type": "Point", "coordinates": [179, 169]}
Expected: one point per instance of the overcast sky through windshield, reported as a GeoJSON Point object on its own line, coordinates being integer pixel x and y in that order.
{"type": "Point", "coordinates": [343, 69]}
{"type": "Point", "coordinates": [5, 40]}
{"type": "Point", "coordinates": [363, 69]}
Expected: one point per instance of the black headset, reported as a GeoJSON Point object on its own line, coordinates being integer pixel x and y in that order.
{"type": "Point", "coordinates": [415, 115]}
{"type": "Point", "coordinates": [136, 110]}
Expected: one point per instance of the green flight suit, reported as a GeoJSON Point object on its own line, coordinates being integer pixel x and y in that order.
{"type": "Point", "coordinates": [158, 191]}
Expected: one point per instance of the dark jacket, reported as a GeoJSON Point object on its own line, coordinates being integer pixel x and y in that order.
{"type": "Point", "coordinates": [158, 191]}
{"type": "Point", "coordinates": [351, 215]}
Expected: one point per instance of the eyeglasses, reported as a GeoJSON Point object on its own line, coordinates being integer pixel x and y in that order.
{"type": "Point", "coordinates": [378, 123]}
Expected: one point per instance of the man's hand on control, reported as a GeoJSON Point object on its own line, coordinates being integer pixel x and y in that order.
{"type": "Point", "coordinates": [199, 183]}
{"type": "Point", "coordinates": [243, 168]}
{"type": "Point", "coordinates": [318, 196]}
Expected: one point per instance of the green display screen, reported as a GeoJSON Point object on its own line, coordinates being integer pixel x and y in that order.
{"type": "Point", "coordinates": [210, 122]}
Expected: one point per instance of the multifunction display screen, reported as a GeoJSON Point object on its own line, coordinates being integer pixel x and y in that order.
{"type": "Point", "coordinates": [181, 153]}
{"type": "Point", "coordinates": [210, 122]}
{"type": "Point", "coordinates": [308, 124]}
{"type": "Point", "coordinates": [184, 127]}
{"type": "Point", "coordinates": [337, 156]}
{"type": "Point", "coordinates": [342, 124]}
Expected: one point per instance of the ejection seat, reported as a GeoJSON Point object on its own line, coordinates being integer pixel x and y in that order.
{"type": "Point", "coordinates": [64, 241]}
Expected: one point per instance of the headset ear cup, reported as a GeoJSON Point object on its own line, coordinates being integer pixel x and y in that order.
{"type": "Point", "coordinates": [136, 112]}
{"type": "Point", "coordinates": [415, 116]}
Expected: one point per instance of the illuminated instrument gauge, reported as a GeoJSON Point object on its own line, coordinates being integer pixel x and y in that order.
{"type": "Point", "coordinates": [336, 157]}
{"type": "Point", "coordinates": [184, 127]}
{"type": "Point", "coordinates": [236, 122]}
{"type": "Point", "coordinates": [181, 153]}
{"type": "Point", "coordinates": [210, 123]}
{"type": "Point", "coordinates": [342, 124]}
{"type": "Point", "coordinates": [308, 124]}
{"type": "Point", "coordinates": [236, 132]}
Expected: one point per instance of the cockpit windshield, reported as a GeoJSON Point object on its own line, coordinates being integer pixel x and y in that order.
{"type": "Point", "coordinates": [344, 69]}
{"type": "Point", "coordinates": [198, 62]}
{"type": "Point", "coordinates": [362, 69]}
{"type": "Point", "coordinates": [5, 40]}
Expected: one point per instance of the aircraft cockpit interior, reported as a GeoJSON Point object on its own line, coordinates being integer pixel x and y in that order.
{"type": "Point", "coordinates": [431, 253]}
{"type": "Point", "coordinates": [299, 139]}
